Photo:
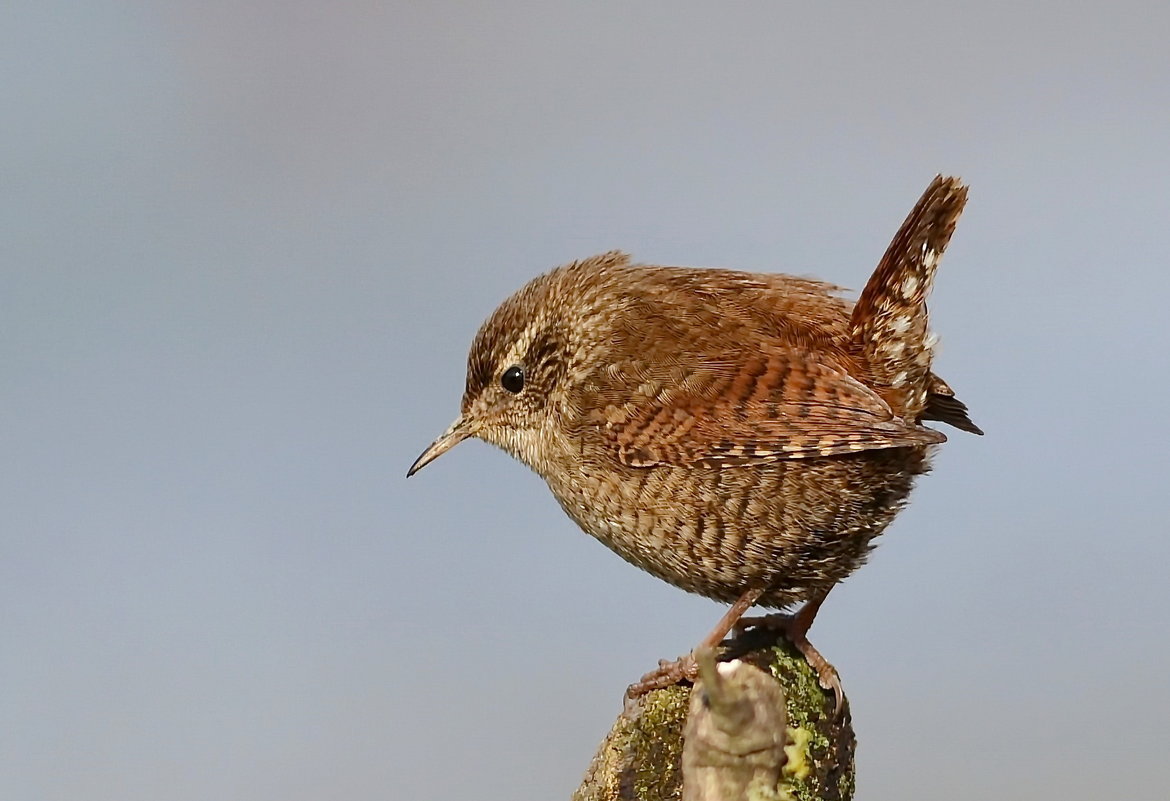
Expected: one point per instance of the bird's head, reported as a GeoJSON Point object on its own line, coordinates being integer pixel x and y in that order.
{"type": "Point", "coordinates": [523, 361]}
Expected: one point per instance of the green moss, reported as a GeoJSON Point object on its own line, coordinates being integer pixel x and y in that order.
{"type": "Point", "coordinates": [804, 695]}
{"type": "Point", "coordinates": [806, 703]}
{"type": "Point", "coordinates": [845, 784]}
{"type": "Point", "coordinates": [656, 740]}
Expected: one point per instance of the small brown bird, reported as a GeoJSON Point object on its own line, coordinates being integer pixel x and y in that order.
{"type": "Point", "coordinates": [742, 436]}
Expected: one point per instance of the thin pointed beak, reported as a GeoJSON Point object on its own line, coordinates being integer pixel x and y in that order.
{"type": "Point", "coordinates": [458, 431]}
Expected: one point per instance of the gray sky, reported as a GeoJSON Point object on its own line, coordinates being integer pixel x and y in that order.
{"type": "Point", "coordinates": [247, 245]}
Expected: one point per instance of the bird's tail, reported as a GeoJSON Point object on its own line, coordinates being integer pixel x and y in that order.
{"type": "Point", "coordinates": [888, 327]}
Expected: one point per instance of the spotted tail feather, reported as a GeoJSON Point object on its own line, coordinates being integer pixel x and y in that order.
{"type": "Point", "coordinates": [889, 326]}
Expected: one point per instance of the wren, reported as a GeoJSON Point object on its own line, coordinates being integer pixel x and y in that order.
{"type": "Point", "coordinates": [743, 436]}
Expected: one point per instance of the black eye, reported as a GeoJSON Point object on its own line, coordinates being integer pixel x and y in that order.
{"type": "Point", "coordinates": [513, 379]}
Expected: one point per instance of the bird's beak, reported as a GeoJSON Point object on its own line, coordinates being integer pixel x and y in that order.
{"type": "Point", "coordinates": [456, 433]}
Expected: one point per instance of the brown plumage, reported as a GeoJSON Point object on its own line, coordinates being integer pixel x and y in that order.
{"type": "Point", "coordinates": [742, 436]}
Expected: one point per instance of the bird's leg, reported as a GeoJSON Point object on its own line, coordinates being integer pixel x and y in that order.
{"type": "Point", "coordinates": [795, 629]}
{"type": "Point", "coordinates": [685, 667]}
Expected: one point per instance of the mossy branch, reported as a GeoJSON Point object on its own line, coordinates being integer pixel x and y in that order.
{"type": "Point", "coordinates": [642, 757]}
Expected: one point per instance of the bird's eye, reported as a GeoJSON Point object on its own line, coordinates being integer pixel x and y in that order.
{"type": "Point", "coordinates": [513, 379]}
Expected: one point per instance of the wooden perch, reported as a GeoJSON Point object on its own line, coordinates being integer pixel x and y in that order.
{"type": "Point", "coordinates": [735, 735]}
{"type": "Point", "coordinates": [736, 747]}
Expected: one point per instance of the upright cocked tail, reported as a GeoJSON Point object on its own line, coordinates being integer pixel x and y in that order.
{"type": "Point", "coordinates": [889, 327]}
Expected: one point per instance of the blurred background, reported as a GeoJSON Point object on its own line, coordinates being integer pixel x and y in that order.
{"type": "Point", "coordinates": [246, 245]}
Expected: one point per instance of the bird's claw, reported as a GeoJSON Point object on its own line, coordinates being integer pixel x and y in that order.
{"type": "Point", "coordinates": [668, 674]}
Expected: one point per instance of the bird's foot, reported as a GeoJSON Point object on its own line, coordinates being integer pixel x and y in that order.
{"type": "Point", "coordinates": [795, 629]}
{"type": "Point", "coordinates": [685, 668]}
{"type": "Point", "coordinates": [668, 674]}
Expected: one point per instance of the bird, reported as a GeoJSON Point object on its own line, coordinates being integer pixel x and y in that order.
{"type": "Point", "coordinates": [743, 436]}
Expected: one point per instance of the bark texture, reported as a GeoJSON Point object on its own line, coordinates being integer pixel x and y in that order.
{"type": "Point", "coordinates": [736, 735]}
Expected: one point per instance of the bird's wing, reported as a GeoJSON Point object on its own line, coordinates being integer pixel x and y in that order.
{"type": "Point", "coordinates": [763, 407]}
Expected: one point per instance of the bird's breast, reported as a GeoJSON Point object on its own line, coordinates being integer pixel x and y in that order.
{"type": "Point", "coordinates": [792, 526]}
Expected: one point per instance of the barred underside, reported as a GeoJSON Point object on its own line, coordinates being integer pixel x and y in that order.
{"type": "Point", "coordinates": [797, 527]}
